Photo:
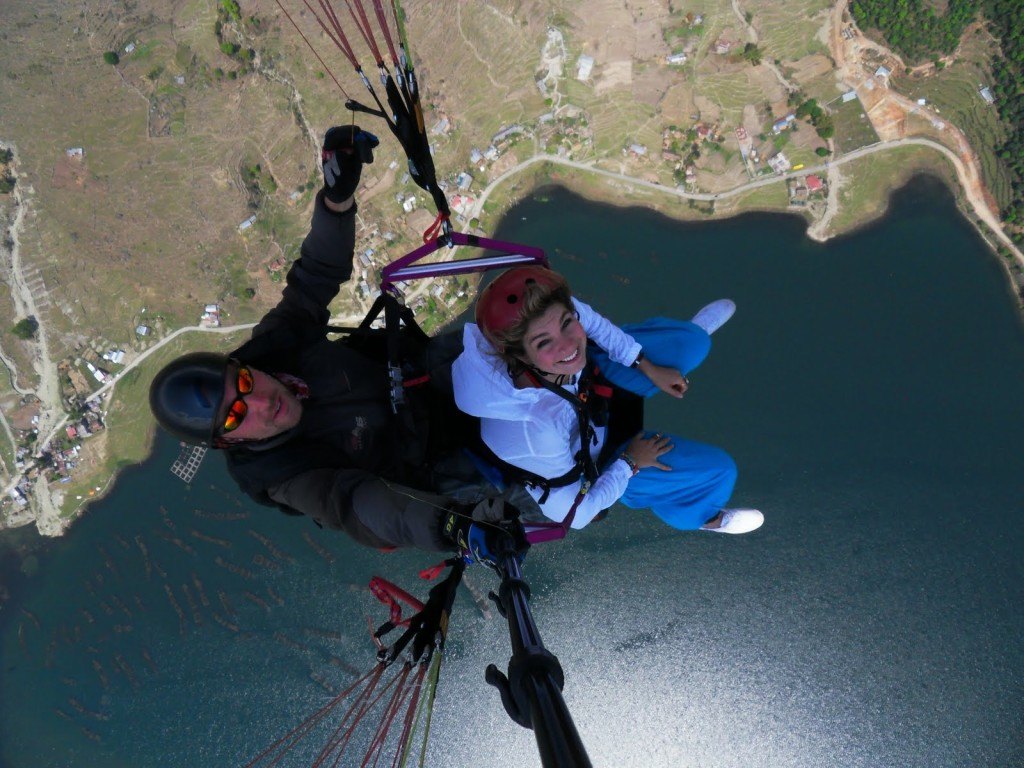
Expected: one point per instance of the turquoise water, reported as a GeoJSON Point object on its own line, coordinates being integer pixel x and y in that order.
{"type": "Point", "coordinates": [868, 388]}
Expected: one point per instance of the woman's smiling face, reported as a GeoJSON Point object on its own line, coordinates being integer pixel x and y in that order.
{"type": "Point", "coordinates": [556, 343]}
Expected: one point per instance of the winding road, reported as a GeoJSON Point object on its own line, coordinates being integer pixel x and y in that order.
{"type": "Point", "coordinates": [847, 52]}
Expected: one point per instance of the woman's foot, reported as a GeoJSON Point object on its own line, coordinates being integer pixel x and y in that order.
{"type": "Point", "coordinates": [714, 315]}
{"type": "Point", "coordinates": [734, 521]}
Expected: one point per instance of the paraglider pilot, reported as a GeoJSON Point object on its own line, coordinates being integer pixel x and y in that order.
{"type": "Point", "coordinates": [306, 423]}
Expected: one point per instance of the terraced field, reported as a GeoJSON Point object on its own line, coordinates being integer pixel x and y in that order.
{"type": "Point", "coordinates": [489, 59]}
{"type": "Point", "coordinates": [954, 91]}
{"type": "Point", "coordinates": [733, 89]}
{"type": "Point", "coordinates": [149, 217]}
{"type": "Point", "coordinates": [791, 30]}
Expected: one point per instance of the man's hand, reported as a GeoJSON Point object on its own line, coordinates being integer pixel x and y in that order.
{"type": "Point", "coordinates": [345, 149]}
{"type": "Point", "coordinates": [486, 531]}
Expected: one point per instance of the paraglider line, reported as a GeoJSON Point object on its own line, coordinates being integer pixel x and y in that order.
{"type": "Point", "coordinates": [310, 45]}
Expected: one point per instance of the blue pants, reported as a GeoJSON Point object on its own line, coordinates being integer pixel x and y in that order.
{"type": "Point", "coordinates": [702, 476]}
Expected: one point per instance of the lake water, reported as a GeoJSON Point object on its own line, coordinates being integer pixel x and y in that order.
{"type": "Point", "coordinates": [870, 391]}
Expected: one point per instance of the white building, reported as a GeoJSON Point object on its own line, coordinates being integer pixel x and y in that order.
{"type": "Point", "coordinates": [779, 163]}
{"type": "Point", "coordinates": [97, 374]}
{"type": "Point", "coordinates": [584, 66]}
{"type": "Point", "coordinates": [210, 317]}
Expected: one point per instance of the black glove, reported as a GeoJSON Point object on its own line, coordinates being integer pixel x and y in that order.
{"type": "Point", "coordinates": [482, 533]}
{"type": "Point", "coordinates": [345, 149]}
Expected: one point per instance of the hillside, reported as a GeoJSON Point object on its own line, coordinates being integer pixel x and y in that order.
{"type": "Point", "coordinates": [161, 158]}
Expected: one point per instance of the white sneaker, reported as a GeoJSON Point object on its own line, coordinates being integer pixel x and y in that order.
{"type": "Point", "coordinates": [714, 315]}
{"type": "Point", "coordinates": [738, 521]}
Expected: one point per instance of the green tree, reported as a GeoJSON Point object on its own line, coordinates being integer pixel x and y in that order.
{"type": "Point", "coordinates": [806, 108]}
{"type": "Point", "coordinates": [25, 328]}
{"type": "Point", "coordinates": [752, 54]}
{"type": "Point", "coordinates": [231, 9]}
{"type": "Point", "coordinates": [111, 58]}
{"type": "Point", "coordinates": [229, 48]}
{"type": "Point", "coordinates": [821, 151]}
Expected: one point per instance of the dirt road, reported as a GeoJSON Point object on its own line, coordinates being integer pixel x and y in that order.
{"type": "Point", "coordinates": [889, 112]}
{"type": "Point", "coordinates": [51, 411]}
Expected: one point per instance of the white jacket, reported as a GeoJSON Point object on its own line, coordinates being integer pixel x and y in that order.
{"type": "Point", "coordinates": [535, 429]}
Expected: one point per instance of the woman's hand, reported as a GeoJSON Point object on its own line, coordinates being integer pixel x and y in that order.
{"type": "Point", "coordinates": [668, 380]}
{"type": "Point", "coordinates": [644, 451]}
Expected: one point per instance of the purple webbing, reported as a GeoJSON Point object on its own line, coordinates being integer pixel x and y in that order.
{"type": "Point", "coordinates": [538, 533]}
{"type": "Point", "coordinates": [535, 255]}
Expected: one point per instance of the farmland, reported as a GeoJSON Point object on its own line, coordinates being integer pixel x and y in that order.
{"type": "Point", "coordinates": [181, 176]}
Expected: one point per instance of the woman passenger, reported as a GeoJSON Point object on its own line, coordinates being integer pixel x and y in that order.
{"type": "Point", "coordinates": [525, 372]}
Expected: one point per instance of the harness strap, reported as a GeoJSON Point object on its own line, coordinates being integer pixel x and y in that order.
{"type": "Point", "coordinates": [544, 531]}
{"type": "Point", "coordinates": [584, 406]}
{"type": "Point", "coordinates": [524, 476]}
{"type": "Point", "coordinates": [434, 230]}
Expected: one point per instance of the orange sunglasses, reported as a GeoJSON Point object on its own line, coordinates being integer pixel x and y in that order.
{"type": "Point", "coordinates": [238, 408]}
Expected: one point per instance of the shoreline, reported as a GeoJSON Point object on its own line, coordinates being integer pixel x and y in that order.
{"type": "Point", "coordinates": [573, 182]}
{"type": "Point", "coordinates": [939, 167]}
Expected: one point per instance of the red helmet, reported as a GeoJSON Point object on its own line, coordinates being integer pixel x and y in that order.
{"type": "Point", "coordinates": [501, 302]}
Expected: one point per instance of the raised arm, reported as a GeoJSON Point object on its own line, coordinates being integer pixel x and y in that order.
{"type": "Point", "coordinates": [620, 346]}
{"type": "Point", "coordinates": [325, 258]}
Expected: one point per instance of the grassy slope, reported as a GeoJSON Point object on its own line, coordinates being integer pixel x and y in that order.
{"type": "Point", "coordinates": [954, 91]}
{"type": "Point", "coordinates": [868, 182]}
{"type": "Point", "coordinates": [150, 218]}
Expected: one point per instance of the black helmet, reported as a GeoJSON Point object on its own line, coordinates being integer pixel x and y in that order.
{"type": "Point", "coordinates": [186, 396]}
